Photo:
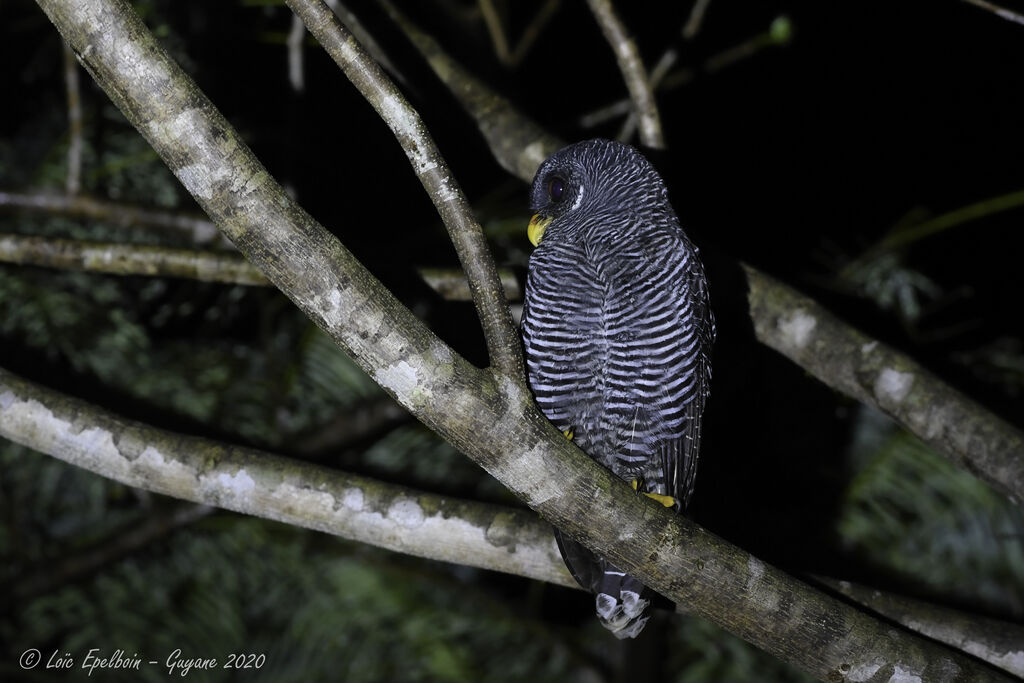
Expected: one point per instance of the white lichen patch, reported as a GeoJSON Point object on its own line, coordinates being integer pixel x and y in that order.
{"type": "Point", "coordinates": [237, 484]}
{"type": "Point", "coordinates": [869, 347]}
{"type": "Point", "coordinates": [6, 399]}
{"type": "Point", "coordinates": [153, 464]}
{"type": "Point", "coordinates": [797, 327]}
{"type": "Point", "coordinates": [539, 483]}
{"type": "Point", "coordinates": [863, 672]}
{"type": "Point", "coordinates": [755, 570]}
{"type": "Point", "coordinates": [901, 675]}
{"type": "Point", "coordinates": [406, 513]}
{"type": "Point", "coordinates": [352, 499]}
{"type": "Point", "coordinates": [892, 386]}
{"type": "Point", "coordinates": [403, 380]}
{"type": "Point", "coordinates": [405, 123]}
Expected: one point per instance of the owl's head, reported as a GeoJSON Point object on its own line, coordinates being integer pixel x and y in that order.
{"type": "Point", "coordinates": [590, 178]}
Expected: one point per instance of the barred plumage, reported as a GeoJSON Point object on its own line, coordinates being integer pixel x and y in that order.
{"type": "Point", "coordinates": [618, 333]}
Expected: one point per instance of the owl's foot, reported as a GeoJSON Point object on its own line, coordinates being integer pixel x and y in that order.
{"type": "Point", "coordinates": [569, 434]}
{"type": "Point", "coordinates": [667, 501]}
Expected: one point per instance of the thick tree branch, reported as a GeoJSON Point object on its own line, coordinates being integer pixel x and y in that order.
{"type": "Point", "coordinates": [357, 508]}
{"type": "Point", "coordinates": [878, 376]}
{"type": "Point", "coordinates": [199, 228]}
{"type": "Point", "coordinates": [633, 72]}
{"type": "Point", "coordinates": [432, 170]}
{"type": "Point", "coordinates": [129, 259]}
{"type": "Point", "coordinates": [489, 417]}
{"type": "Point", "coordinates": [850, 362]}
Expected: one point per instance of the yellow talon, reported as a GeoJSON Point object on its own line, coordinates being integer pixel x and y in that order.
{"type": "Point", "coordinates": [667, 501]}
{"type": "Point", "coordinates": [569, 434]}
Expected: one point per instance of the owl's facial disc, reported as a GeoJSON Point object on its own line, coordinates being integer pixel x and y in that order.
{"type": "Point", "coordinates": [535, 231]}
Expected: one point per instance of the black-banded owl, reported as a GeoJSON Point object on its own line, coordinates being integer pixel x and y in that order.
{"type": "Point", "coordinates": [618, 331]}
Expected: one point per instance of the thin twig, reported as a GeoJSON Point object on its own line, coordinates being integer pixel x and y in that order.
{"type": "Point", "coordinates": [502, 338]}
{"type": "Point", "coordinates": [696, 20]}
{"type": "Point", "coordinates": [296, 70]}
{"type": "Point", "coordinates": [628, 57]}
{"type": "Point", "coordinates": [533, 31]}
{"type": "Point", "coordinates": [495, 30]}
{"type": "Point", "coordinates": [129, 259]}
{"type": "Point", "coordinates": [997, 10]}
{"type": "Point", "coordinates": [74, 96]}
{"type": "Point", "coordinates": [199, 228]}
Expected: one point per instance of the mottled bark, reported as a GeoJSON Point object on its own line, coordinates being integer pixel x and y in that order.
{"type": "Point", "coordinates": [489, 416]}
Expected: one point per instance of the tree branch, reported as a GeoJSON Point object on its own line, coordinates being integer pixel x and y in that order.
{"type": "Point", "coordinates": [633, 72]}
{"type": "Point", "coordinates": [199, 228]}
{"type": "Point", "coordinates": [881, 377]}
{"type": "Point", "coordinates": [130, 259]}
{"type": "Point", "coordinates": [357, 508]}
{"type": "Point", "coordinates": [489, 417]}
{"type": "Point", "coordinates": [467, 236]}
{"type": "Point", "coordinates": [997, 10]}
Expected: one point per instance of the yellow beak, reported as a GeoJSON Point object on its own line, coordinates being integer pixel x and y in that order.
{"type": "Point", "coordinates": [536, 228]}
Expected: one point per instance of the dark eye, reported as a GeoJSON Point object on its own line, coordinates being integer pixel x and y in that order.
{"type": "Point", "coordinates": [556, 188]}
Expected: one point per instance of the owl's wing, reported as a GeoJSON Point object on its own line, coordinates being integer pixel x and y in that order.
{"type": "Point", "coordinates": [679, 455]}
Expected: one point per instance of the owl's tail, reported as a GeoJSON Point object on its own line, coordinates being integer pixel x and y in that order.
{"type": "Point", "coordinates": [621, 600]}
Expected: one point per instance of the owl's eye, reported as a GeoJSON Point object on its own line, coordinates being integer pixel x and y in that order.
{"type": "Point", "coordinates": [556, 188]}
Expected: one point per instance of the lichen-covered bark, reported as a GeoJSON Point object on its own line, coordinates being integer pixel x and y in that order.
{"type": "Point", "coordinates": [490, 416]}
{"type": "Point", "coordinates": [877, 375]}
{"type": "Point", "coordinates": [129, 259]}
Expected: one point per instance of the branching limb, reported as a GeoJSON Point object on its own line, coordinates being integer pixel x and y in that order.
{"type": "Point", "coordinates": [881, 377]}
{"type": "Point", "coordinates": [502, 339]}
{"type": "Point", "coordinates": [199, 228]}
{"type": "Point", "coordinates": [633, 72]}
{"type": "Point", "coordinates": [130, 259]}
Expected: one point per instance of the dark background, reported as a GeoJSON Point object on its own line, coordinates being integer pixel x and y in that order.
{"type": "Point", "coordinates": [797, 159]}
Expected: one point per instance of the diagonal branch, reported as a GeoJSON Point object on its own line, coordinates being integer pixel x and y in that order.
{"type": "Point", "coordinates": [633, 72]}
{"type": "Point", "coordinates": [489, 417]}
{"type": "Point", "coordinates": [432, 170]}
